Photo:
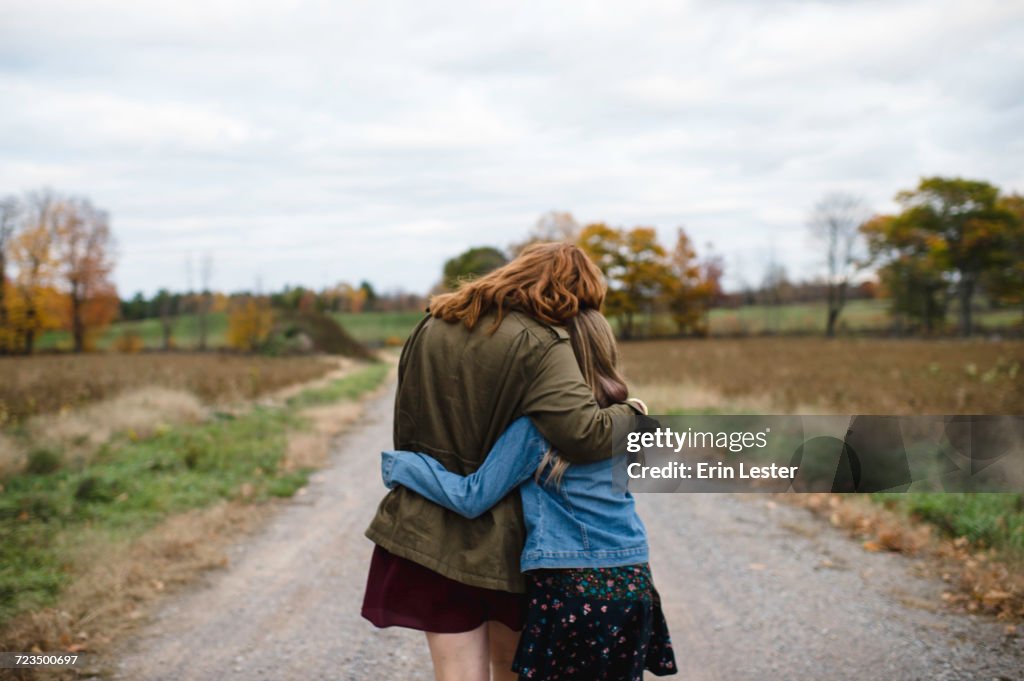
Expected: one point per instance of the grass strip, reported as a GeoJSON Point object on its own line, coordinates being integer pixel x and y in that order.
{"type": "Point", "coordinates": [986, 519]}
{"type": "Point", "coordinates": [132, 485]}
{"type": "Point", "coordinates": [345, 388]}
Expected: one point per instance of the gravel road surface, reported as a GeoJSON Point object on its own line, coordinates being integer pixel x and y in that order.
{"type": "Point", "coordinates": [752, 590]}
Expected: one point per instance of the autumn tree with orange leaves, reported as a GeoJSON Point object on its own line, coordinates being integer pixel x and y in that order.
{"type": "Point", "coordinates": [645, 279]}
{"type": "Point", "coordinates": [32, 305]}
{"type": "Point", "coordinates": [250, 321]}
{"type": "Point", "coordinates": [83, 247]}
{"type": "Point", "coordinates": [55, 263]}
{"type": "Point", "coordinates": [694, 287]}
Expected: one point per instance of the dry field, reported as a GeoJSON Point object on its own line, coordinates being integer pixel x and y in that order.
{"type": "Point", "coordinates": [37, 385]}
{"type": "Point", "coordinates": [817, 375]}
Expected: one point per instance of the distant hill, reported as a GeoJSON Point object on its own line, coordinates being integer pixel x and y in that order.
{"type": "Point", "coordinates": [298, 332]}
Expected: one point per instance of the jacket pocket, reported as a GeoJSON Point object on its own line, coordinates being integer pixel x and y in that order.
{"type": "Point", "coordinates": [580, 527]}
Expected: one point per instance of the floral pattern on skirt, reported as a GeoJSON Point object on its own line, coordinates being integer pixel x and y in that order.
{"type": "Point", "coordinates": [598, 624]}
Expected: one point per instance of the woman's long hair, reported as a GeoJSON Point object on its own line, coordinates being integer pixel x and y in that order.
{"type": "Point", "coordinates": [551, 282]}
{"type": "Point", "coordinates": [593, 343]}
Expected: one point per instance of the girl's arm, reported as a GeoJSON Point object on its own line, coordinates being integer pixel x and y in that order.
{"type": "Point", "coordinates": [513, 459]}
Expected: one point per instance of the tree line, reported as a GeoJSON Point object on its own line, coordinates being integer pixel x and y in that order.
{"type": "Point", "coordinates": [647, 282]}
{"type": "Point", "coordinates": [248, 311]}
{"type": "Point", "coordinates": [952, 240]}
{"type": "Point", "coordinates": [57, 256]}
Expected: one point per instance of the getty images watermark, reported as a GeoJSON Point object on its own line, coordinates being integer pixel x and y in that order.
{"type": "Point", "coordinates": [845, 453]}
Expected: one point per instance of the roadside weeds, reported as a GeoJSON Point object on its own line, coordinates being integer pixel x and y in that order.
{"type": "Point", "coordinates": [979, 580]}
{"type": "Point", "coordinates": [113, 578]}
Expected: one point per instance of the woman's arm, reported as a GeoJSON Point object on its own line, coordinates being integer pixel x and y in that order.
{"type": "Point", "coordinates": [513, 459]}
{"type": "Point", "coordinates": [566, 413]}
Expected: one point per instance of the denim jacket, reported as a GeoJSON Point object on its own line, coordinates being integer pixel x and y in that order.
{"type": "Point", "coordinates": [583, 521]}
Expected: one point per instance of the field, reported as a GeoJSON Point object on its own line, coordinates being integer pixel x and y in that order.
{"type": "Point", "coordinates": [106, 452]}
{"type": "Point", "coordinates": [50, 383]}
{"type": "Point", "coordinates": [185, 335]}
{"type": "Point", "coordinates": [817, 375]}
{"type": "Point", "coordinates": [858, 317]}
{"type": "Point", "coordinates": [68, 525]}
{"type": "Point", "coordinates": [851, 376]}
{"type": "Point", "coordinates": [126, 465]}
{"type": "Point", "coordinates": [375, 328]}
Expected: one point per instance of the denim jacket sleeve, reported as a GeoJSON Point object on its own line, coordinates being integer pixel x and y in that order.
{"type": "Point", "coordinates": [514, 457]}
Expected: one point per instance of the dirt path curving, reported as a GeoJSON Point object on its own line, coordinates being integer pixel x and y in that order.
{"type": "Point", "coordinates": [752, 590]}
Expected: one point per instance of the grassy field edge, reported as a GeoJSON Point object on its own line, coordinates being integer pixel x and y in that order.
{"type": "Point", "coordinates": [70, 568]}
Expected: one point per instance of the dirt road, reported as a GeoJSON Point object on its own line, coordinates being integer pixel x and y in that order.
{"type": "Point", "coordinates": [753, 590]}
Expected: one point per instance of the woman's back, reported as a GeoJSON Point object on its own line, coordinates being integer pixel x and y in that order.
{"type": "Point", "coordinates": [458, 390]}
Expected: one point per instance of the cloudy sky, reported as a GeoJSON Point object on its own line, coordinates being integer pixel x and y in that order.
{"type": "Point", "coordinates": [311, 142]}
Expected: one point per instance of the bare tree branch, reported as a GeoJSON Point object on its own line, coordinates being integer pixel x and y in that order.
{"type": "Point", "coordinates": [834, 225]}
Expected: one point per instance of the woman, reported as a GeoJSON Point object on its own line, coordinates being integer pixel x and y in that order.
{"type": "Point", "coordinates": [593, 612]}
{"type": "Point", "coordinates": [490, 352]}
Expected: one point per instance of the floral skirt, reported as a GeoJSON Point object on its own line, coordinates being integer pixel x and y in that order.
{"type": "Point", "coordinates": [593, 623]}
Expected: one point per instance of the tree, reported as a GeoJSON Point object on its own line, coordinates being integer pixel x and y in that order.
{"type": "Point", "coordinates": [135, 309]}
{"type": "Point", "coordinates": [606, 247]}
{"type": "Point", "coordinates": [1004, 282]}
{"type": "Point", "coordinates": [775, 289]}
{"type": "Point", "coordinates": [914, 266]}
{"type": "Point", "coordinates": [472, 263]}
{"type": "Point", "coordinates": [83, 248]}
{"type": "Point", "coordinates": [205, 299]}
{"type": "Point", "coordinates": [551, 226]}
{"type": "Point", "coordinates": [369, 296]}
{"type": "Point", "coordinates": [646, 275]}
{"type": "Point", "coordinates": [31, 252]}
{"type": "Point", "coordinates": [635, 265]}
{"type": "Point", "coordinates": [249, 322]}
{"type": "Point", "coordinates": [694, 287]}
{"type": "Point", "coordinates": [164, 302]}
{"type": "Point", "coordinates": [967, 219]}
{"type": "Point", "coordinates": [835, 224]}
{"type": "Point", "coordinates": [342, 297]}
{"type": "Point", "coordinates": [10, 212]}
{"type": "Point", "coordinates": [99, 311]}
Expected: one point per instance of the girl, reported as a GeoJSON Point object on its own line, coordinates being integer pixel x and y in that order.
{"type": "Point", "coordinates": [593, 612]}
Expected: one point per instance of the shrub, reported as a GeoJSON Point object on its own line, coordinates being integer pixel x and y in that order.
{"type": "Point", "coordinates": [96, 489]}
{"type": "Point", "coordinates": [42, 461]}
{"type": "Point", "coordinates": [129, 342]}
{"type": "Point", "coordinates": [249, 324]}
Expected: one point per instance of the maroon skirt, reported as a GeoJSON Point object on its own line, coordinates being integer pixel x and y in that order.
{"type": "Point", "coordinates": [401, 593]}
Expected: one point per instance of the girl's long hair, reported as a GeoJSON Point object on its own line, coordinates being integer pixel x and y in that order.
{"type": "Point", "coordinates": [551, 282]}
{"type": "Point", "coordinates": [593, 343]}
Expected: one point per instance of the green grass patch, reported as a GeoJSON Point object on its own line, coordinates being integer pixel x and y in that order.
{"type": "Point", "coordinates": [344, 388]}
{"type": "Point", "coordinates": [129, 486]}
{"type": "Point", "coordinates": [185, 334]}
{"type": "Point", "coordinates": [986, 519]}
{"type": "Point", "coordinates": [376, 328]}
{"type": "Point", "coordinates": [805, 318]}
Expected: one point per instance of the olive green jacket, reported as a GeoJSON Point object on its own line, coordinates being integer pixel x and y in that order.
{"type": "Point", "coordinates": [458, 390]}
